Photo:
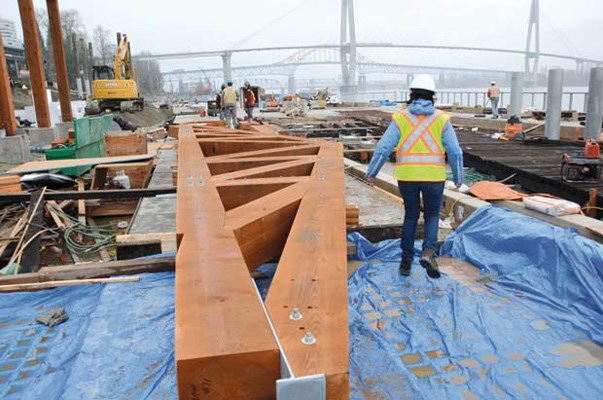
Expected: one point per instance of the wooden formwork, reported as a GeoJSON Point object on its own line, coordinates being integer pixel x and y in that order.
{"type": "Point", "coordinates": [246, 198]}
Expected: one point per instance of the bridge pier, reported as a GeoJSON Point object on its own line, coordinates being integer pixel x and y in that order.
{"type": "Point", "coordinates": [291, 81]}
{"type": "Point", "coordinates": [227, 66]}
{"type": "Point", "coordinates": [517, 82]}
{"type": "Point", "coordinates": [362, 82]}
{"type": "Point", "coordinates": [552, 128]}
{"type": "Point", "coordinates": [594, 111]}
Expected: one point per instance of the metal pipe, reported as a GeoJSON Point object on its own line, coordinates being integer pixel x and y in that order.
{"type": "Point", "coordinates": [594, 111]}
{"type": "Point", "coordinates": [552, 127]}
{"type": "Point", "coordinates": [517, 82]}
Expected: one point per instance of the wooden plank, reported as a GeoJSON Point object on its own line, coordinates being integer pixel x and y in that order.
{"type": "Point", "coordinates": [7, 109]}
{"type": "Point", "coordinates": [111, 208]}
{"type": "Point", "coordinates": [33, 54]}
{"type": "Point", "coordinates": [37, 166]}
{"type": "Point", "coordinates": [106, 269]}
{"type": "Point", "coordinates": [301, 150]}
{"type": "Point", "coordinates": [54, 284]}
{"type": "Point", "coordinates": [312, 276]}
{"type": "Point", "coordinates": [60, 64]}
{"type": "Point", "coordinates": [125, 143]}
{"type": "Point", "coordinates": [28, 259]}
{"type": "Point", "coordinates": [81, 204]}
{"type": "Point", "coordinates": [91, 194]}
{"type": "Point", "coordinates": [218, 167]}
{"type": "Point", "coordinates": [224, 345]}
{"type": "Point", "coordinates": [212, 147]}
{"type": "Point", "coordinates": [287, 168]}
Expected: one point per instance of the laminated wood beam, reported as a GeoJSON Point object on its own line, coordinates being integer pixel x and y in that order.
{"type": "Point", "coordinates": [224, 345]}
{"type": "Point", "coordinates": [262, 225]}
{"type": "Point", "coordinates": [219, 147]}
{"type": "Point", "coordinates": [288, 168]}
{"type": "Point", "coordinates": [234, 195]}
{"type": "Point", "coordinates": [312, 276]}
{"type": "Point", "coordinates": [301, 150]}
{"type": "Point", "coordinates": [218, 167]}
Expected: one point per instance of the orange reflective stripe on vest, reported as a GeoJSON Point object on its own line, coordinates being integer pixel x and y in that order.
{"type": "Point", "coordinates": [420, 153]}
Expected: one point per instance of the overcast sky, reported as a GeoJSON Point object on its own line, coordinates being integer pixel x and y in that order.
{"type": "Point", "coordinates": [181, 25]}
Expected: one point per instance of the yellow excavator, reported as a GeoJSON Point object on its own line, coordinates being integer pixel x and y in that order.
{"type": "Point", "coordinates": [116, 88]}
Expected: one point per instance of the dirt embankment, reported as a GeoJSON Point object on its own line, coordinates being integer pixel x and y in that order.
{"type": "Point", "coordinates": [149, 117]}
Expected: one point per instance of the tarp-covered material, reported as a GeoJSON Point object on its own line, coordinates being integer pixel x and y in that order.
{"type": "Point", "coordinates": [533, 333]}
{"type": "Point", "coordinates": [118, 342]}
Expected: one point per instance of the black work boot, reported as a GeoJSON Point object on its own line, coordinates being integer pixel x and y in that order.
{"type": "Point", "coordinates": [429, 263]}
{"type": "Point", "coordinates": [405, 266]}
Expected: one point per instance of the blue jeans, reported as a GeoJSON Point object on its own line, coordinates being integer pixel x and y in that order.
{"type": "Point", "coordinates": [432, 201]}
{"type": "Point", "coordinates": [494, 101]}
{"type": "Point", "coordinates": [231, 116]}
{"type": "Point", "coordinates": [249, 111]}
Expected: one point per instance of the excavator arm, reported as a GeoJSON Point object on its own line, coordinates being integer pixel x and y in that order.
{"type": "Point", "coordinates": [123, 59]}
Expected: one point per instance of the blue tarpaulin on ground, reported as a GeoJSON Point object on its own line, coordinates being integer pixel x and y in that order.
{"type": "Point", "coordinates": [118, 342]}
{"type": "Point", "coordinates": [534, 332]}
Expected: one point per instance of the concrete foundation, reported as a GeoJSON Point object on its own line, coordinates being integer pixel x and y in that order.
{"type": "Point", "coordinates": [41, 136]}
{"type": "Point", "coordinates": [62, 129]}
{"type": "Point", "coordinates": [15, 149]}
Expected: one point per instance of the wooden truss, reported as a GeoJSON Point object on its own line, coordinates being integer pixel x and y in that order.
{"type": "Point", "coordinates": [246, 198]}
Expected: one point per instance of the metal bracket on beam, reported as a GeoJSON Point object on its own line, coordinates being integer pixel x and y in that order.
{"type": "Point", "coordinates": [290, 387]}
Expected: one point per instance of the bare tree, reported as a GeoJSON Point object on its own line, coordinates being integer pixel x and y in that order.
{"type": "Point", "coordinates": [104, 48]}
{"type": "Point", "coordinates": [150, 80]}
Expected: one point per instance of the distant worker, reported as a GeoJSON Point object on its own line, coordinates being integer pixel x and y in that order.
{"type": "Point", "coordinates": [494, 96]}
{"type": "Point", "coordinates": [229, 101]}
{"type": "Point", "coordinates": [249, 100]}
{"type": "Point", "coordinates": [219, 104]}
{"type": "Point", "coordinates": [422, 137]}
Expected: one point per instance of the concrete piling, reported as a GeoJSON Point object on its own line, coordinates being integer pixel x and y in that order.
{"type": "Point", "coordinates": [552, 129]}
{"type": "Point", "coordinates": [594, 112]}
{"type": "Point", "coordinates": [517, 83]}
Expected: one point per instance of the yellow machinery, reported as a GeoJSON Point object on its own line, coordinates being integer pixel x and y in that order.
{"type": "Point", "coordinates": [116, 88]}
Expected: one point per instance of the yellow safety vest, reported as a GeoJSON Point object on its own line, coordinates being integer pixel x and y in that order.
{"type": "Point", "coordinates": [229, 96]}
{"type": "Point", "coordinates": [420, 153]}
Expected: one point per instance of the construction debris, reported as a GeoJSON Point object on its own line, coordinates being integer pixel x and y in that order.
{"type": "Point", "coordinates": [54, 317]}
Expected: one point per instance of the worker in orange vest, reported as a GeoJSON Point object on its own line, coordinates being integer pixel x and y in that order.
{"type": "Point", "coordinates": [249, 99]}
{"type": "Point", "coordinates": [422, 137]}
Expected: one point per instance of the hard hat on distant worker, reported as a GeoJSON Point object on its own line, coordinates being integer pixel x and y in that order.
{"type": "Point", "coordinates": [223, 86]}
{"type": "Point", "coordinates": [247, 84]}
{"type": "Point", "coordinates": [229, 82]}
{"type": "Point", "coordinates": [492, 83]}
{"type": "Point", "coordinates": [423, 82]}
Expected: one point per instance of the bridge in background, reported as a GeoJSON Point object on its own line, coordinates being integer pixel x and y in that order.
{"type": "Point", "coordinates": [355, 67]}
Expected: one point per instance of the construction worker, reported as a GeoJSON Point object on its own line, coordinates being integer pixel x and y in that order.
{"type": "Point", "coordinates": [249, 100]}
{"type": "Point", "coordinates": [494, 96]}
{"type": "Point", "coordinates": [422, 137]}
{"type": "Point", "coordinates": [219, 104]}
{"type": "Point", "coordinates": [229, 101]}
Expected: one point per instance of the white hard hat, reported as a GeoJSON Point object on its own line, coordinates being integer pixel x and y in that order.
{"type": "Point", "coordinates": [424, 82]}
{"type": "Point", "coordinates": [492, 83]}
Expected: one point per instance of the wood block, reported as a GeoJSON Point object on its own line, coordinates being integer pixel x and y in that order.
{"type": "Point", "coordinates": [125, 143]}
{"type": "Point", "coordinates": [139, 173]}
{"type": "Point", "coordinates": [167, 239]}
{"type": "Point", "coordinates": [173, 131]}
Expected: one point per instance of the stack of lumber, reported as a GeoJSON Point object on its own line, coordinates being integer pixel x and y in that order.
{"type": "Point", "coordinates": [352, 215]}
{"type": "Point", "coordinates": [125, 143]}
{"type": "Point", "coordinates": [10, 184]}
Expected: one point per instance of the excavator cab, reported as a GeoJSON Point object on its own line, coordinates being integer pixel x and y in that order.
{"type": "Point", "coordinates": [102, 72]}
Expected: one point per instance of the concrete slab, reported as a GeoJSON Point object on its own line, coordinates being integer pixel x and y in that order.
{"type": "Point", "coordinates": [15, 149]}
{"type": "Point", "coordinates": [62, 129]}
{"type": "Point", "coordinates": [41, 136]}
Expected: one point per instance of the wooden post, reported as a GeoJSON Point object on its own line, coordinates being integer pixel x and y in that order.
{"type": "Point", "coordinates": [7, 109]}
{"type": "Point", "coordinates": [34, 62]}
{"type": "Point", "coordinates": [592, 203]}
{"type": "Point", "coordinates": [60, 65]}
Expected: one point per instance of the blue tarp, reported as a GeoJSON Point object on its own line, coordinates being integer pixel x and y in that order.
{"type": "Point", "coordinates": [118, 342]}
{"type": "Point", "coordinates": [532, 333]}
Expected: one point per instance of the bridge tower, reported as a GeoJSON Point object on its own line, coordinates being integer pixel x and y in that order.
{"type": "Point", "coordinates": [348, 48]}
{"type": "Point", "coordinates": [532, 57]}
